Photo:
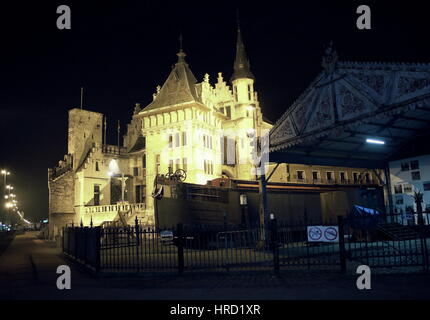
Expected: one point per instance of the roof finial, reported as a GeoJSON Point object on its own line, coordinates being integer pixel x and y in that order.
{"type": "Point", "coordinates": [181, 54]}
{"type": "Point", "coordinates": [237, 19]}
{"type": "Point", "coordinates": [330, 57]}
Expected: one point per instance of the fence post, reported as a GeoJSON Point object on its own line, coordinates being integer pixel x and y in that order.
{"type": "Point", "coordinates": [136, 229]}
{"type": "Point", "coordinates": [75, 249]}
{"type": "Point", "coordinates": [342, 251]}
{"type": "Point", "coordinates": [62, 239]}
{"type": "Point", "coordinates": [97, 248]}
{"type": "Point", "coordinates": [274, 242]}
{"type": "Point", "coordinates": [180, 243]}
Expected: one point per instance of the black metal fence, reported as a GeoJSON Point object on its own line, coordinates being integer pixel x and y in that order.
{"type": "Point", "coordinates": [185, 248]}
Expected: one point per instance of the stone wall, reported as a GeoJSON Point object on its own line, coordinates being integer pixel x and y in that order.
{"type": "Point", "coordinates": [61, 203]}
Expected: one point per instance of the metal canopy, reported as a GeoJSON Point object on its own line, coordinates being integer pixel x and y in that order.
{"type": "Point", "coordinates": [349, 103]}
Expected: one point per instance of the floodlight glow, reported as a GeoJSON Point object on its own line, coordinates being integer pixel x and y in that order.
{"type": "Point", "coordinates": [375, 141]}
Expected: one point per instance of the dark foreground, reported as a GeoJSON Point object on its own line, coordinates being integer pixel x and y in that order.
{"type": "Point", "coordinates": [28, 271]}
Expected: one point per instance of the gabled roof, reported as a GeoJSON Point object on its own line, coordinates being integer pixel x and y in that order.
{"type": "Point", "coordinates": [180, 87]}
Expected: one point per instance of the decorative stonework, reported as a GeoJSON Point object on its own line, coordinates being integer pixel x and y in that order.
{"type": "Point", "coordinates": [407, 85]}
{"type": "Point", "coordinates": [323, 113]}
{"type": "Point", "coordinates": [350, 104]}
{"type": "Point", "coordinates": [375, 82]}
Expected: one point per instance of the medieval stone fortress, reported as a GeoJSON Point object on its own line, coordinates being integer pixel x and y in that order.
{"type": "Point", "coordinates": [199, 128]}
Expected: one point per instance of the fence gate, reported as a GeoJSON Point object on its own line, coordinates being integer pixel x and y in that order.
{"type": "Point", "coordinates": [298, 251]}
{"type": "Point", "coordinates": [385, 241]}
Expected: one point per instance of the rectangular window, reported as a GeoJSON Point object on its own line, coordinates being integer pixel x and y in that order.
{"type": "Point", "coordinates": [177, 139]}
{"type": "Point", "coordinates": [184, 164]}
{"type": "Point", "coordinates": [135, 171]}
{"type": "Point", "coordinates": [144, 161]}
{"type": "Point", "coordinates": [426, 186]}
{"type": "Point", "coordinates": [415, 165]}
{"type": "Point", "coordinates": [138, 194]}
{"type": "Point", "coordinates": [300, 175]}
{"type": "Point", "coordinates": [96, 195]}
{"type": "Point", "coordinates": [97, 166]}
{"type": "Point", "coordinates": [355, 177]}
{"type": "Point", "coordinates": [170, 168]}
{"type": "Point", "coordinates": [205, 166]}
{"type": "Point", "coordinates": [249, 92]}
{"type": "Point", "coordinates": [157, 164]}
{"type": "Point", "coordinates": [221, 110]}
{"type": "Point", "coordinates": [329, 175]}
{"type": "Point", "coordinates": [342, 176]}
{"type": "Point", "coordinates": [416, 175]}
{"type": "Point", "coordinates": [184, 138]}
{"type": "Point", "coordinates": [398, 189]}
{"type": "Point", "coordinates": [228, 111]}
{"type": "Point", "coordinates": [314, 175]}
{"type": "Point", "coordinates": [170, 141]}
{"type": "Point", "coordinates": [405, 166]}
{"type": "Point", "coordinates": [407, 188]}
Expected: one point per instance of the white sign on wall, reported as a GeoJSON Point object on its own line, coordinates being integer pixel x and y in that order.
{"type": "Point", "coordinates": [323, 233]}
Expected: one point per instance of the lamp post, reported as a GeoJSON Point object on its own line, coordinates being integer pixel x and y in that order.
{"type": "Point", "coordinates": [114, 170]}
{"type": "Point", "coordinates": [263, 210]}
{"type": "Point", "coordinates": [5, 173]}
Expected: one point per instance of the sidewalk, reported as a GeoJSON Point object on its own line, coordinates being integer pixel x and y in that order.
{"type": "Point", "coordinates": [28, 271]}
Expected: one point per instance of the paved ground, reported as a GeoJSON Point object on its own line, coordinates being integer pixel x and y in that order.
{"type": "Point", "coordinates": [28, 271]}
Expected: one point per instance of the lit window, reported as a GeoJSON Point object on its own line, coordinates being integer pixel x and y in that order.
{"type": "Point", "coordinates": [184, 138]}
{"type": "Point", "coordinates": [184, 164]}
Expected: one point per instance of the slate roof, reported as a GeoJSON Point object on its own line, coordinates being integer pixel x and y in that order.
{"type": "Point", "coordinates": [180, 87]}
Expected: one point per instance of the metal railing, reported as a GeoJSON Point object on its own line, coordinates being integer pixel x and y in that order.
{"type": "Point", "coordinates": [136, 207]}
{"type": "Point", "coordinates": [280, 246]}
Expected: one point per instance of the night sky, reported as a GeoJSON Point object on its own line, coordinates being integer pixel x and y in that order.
{"type": "Point", "coordinates": [120, 51]}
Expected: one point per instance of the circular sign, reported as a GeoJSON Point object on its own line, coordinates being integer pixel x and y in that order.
{"type": "Point", "coordinates": [330, 233]}
{"type": "Point", "coordinates": [315, 233]}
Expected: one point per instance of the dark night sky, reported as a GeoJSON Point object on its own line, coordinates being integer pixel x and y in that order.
{"type": "Point", "coordinates": [119, 52]}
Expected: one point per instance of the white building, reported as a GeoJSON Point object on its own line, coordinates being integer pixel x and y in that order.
{"type": "Point", "coordinates": [408, 176]}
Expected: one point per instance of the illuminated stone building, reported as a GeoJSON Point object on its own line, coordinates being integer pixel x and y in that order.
{"type": "Point", "coordinates": [198, 127]}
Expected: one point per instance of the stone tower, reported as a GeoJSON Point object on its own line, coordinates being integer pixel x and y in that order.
{"type": "Point", "coordinates": [85, 132]}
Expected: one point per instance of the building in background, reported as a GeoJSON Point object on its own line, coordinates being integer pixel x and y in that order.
{"type": "Point", "coordinates": [407, 176]}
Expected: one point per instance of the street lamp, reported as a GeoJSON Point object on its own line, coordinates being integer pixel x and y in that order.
{"type": "Point", "coordinates": [113, 171]}
{"type": "Point", "coordinates": [5, 173]}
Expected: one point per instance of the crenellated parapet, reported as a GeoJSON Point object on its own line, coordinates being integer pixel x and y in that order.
{"type": "Point", "coordinates": [63, 167]}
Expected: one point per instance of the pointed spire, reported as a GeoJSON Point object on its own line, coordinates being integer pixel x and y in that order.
{"type": "Point", "coordinates": [241, 64]}
{"type": "Point", "coordinates": [181, 54]}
